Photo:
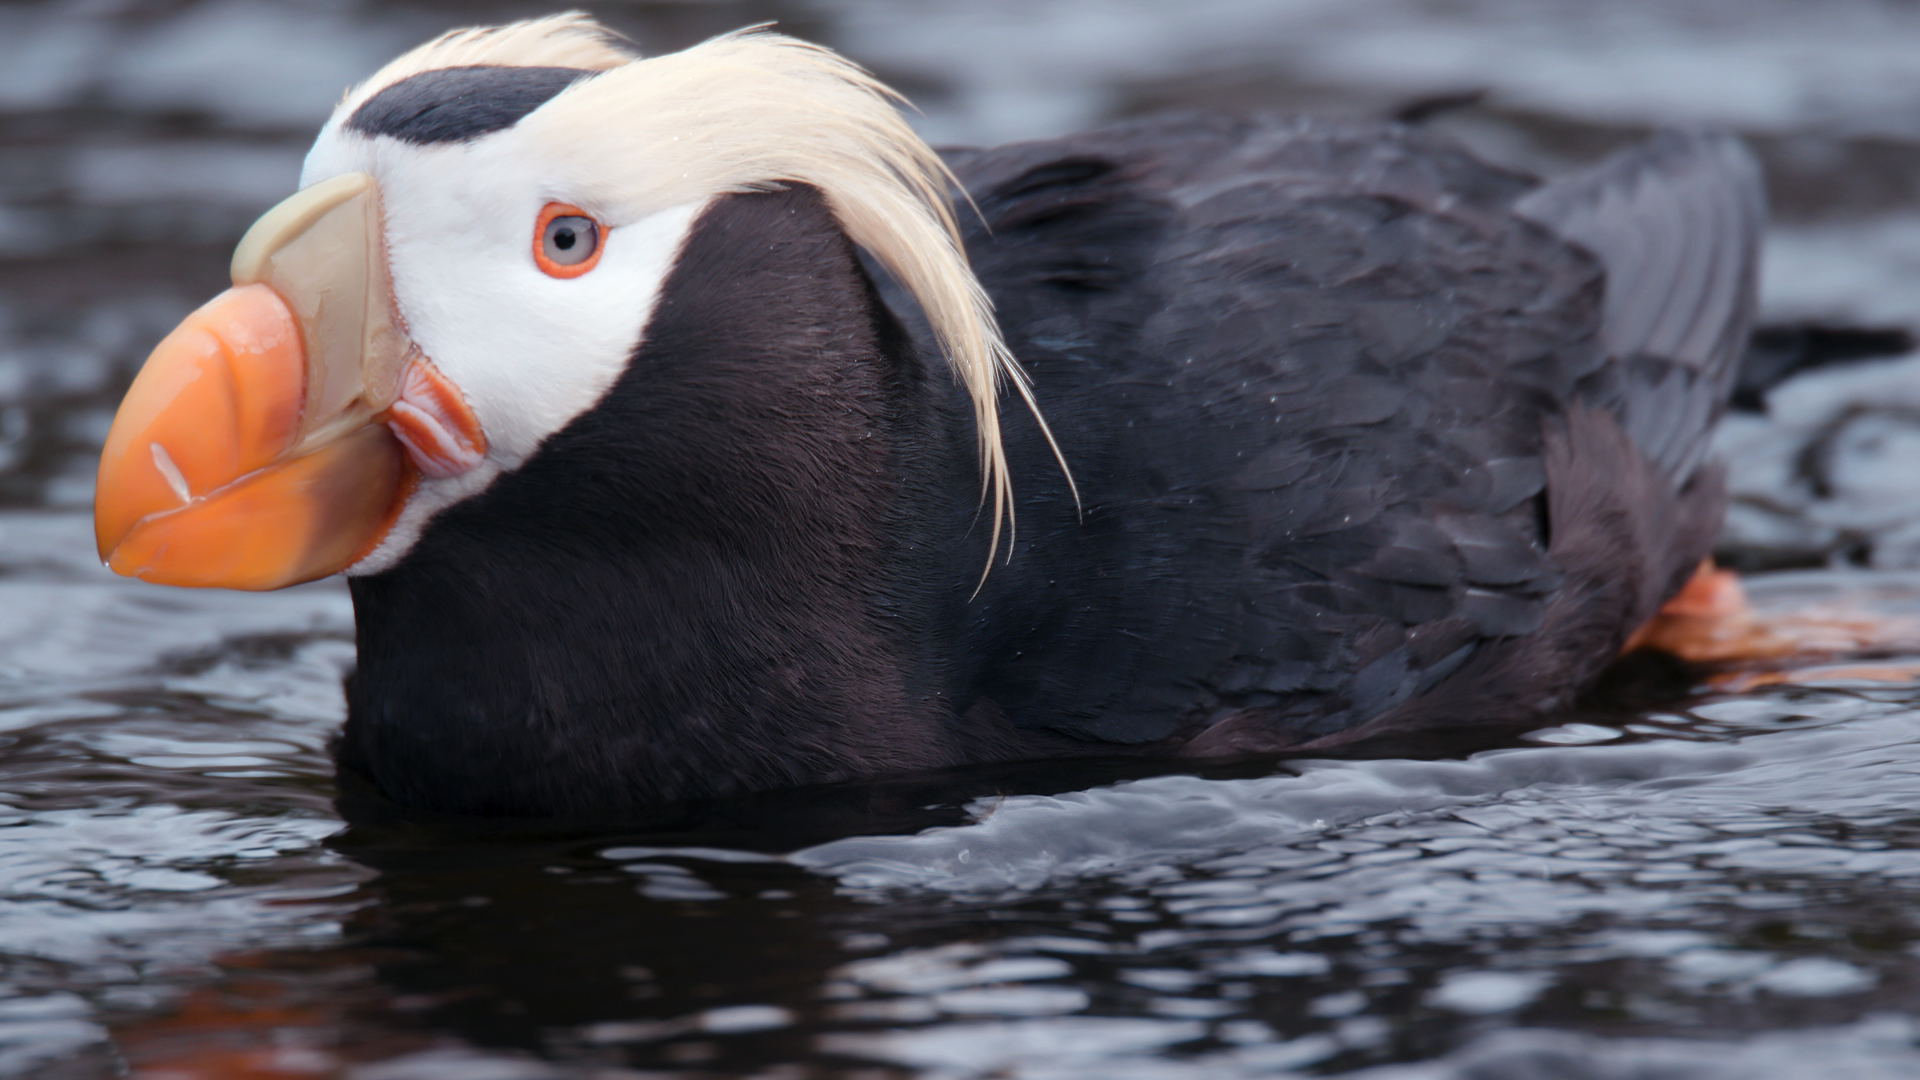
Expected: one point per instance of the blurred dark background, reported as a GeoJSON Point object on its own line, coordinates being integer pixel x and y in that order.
{"type": "Point", "coordinates": [138, 138]}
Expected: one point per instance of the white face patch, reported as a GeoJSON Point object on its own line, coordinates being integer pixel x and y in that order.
{"type": "Point", "coordinates": [529, 352]}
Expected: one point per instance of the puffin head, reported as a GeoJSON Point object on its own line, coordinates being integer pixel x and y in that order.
{"type": "Point", "coordinates": [479, 241]}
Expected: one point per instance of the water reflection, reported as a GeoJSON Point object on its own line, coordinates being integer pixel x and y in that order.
{"type": "Point", "coordinates": [1747, 865]}
{"type": "Point", "coordinates": [1608, 891]}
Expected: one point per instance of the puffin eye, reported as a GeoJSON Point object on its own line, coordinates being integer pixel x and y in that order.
{"type": "Point", "coordinates": [570, 240]}
{"type": "Point", "coordinates": [566, 242]}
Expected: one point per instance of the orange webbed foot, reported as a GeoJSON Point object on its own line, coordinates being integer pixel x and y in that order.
{"type": "Point", "coordinates": [1710, 621]}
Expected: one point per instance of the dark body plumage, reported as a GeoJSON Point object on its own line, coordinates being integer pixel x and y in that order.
{"type": "Point", "coordinates": [1369, 435]}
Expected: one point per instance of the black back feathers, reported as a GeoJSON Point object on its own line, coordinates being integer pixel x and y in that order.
{"type": "Point", "coordinates": [1371, 437]}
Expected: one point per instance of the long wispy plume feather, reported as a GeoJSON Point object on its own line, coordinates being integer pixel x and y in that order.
{"type": "Point", "coordinates": [751, 111]}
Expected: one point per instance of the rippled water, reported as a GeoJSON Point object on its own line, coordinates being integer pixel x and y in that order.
{"type": "Point", "coordinates": [1662, 887]}
{"type": "Point", "coordinates": [1724, 890]}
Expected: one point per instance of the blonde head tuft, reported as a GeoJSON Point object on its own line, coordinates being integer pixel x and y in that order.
{"type": "Point", "coordinates": [570, 40]}
{"type": "Point", "coordinates": [751, 111]}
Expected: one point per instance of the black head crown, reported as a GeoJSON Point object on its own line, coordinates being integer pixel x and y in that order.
{"type": "Point", "coordinates": [460, 103]}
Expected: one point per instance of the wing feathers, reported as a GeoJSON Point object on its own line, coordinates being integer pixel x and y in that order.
{"type": "Point", "coordinates": [1676, 222]}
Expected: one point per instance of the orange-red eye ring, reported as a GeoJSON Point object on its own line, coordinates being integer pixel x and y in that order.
{"type": "Point", "coordinates": [559, 270]}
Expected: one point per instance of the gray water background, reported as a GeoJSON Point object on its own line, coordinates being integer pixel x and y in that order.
{"type": "Point", "coordinates": [1723, 889]}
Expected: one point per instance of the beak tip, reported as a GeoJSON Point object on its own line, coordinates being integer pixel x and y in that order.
{"type": "Point", "coordinates": [104, 545]}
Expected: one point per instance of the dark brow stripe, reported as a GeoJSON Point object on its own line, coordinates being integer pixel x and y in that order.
{"type": "Point", "coordinates": [460, 103]}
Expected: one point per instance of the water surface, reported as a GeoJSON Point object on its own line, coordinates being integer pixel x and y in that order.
{"type": "Point", "coordinates": [182, 898]}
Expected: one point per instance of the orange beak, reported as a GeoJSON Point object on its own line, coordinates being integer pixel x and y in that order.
{"type": "Point", "coordinates": [252, 451]}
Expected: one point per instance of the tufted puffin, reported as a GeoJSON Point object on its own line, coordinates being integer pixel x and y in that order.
{"type": "Point", "coordinates": [679, 437]}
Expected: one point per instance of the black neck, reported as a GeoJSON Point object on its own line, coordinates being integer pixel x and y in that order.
{"type": "Point", "coordinates": [722, 577]}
